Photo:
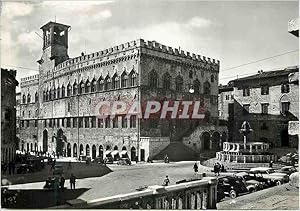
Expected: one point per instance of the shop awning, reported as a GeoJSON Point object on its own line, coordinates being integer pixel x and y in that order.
{"type": "Point", "coordinates": [124, 152]}
{"type": "Point", "coordinates": [107, 152]}
{"type": "Point", "coordinates": [115, 152]}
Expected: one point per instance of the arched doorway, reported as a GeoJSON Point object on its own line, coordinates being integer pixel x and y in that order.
{"type": "Point", "coordinates": [31, 147]}
{"type": "Point", "coordinates": [205, 140]}
{"type": "Point", "coordinates": [68, 150]}
{"type": "Point", "coordinates": [75, 150]}
{"type": "Point", "coordinates": [215, 139]}
{"type": "Point", "coordinates": [133, 153]}
{"type": "Point", "coordinates": [45, 141]}
{"type": "Point", "coordinates": [94, 152]}
{"type": "Point", "coordinates": [284, 135]}
{"type": "Point", "coordinates": [115, 153]}
{"type": "Point", "coordinates": [87, 150]}
{"type": "Point", "coordinates": [101, 151]}
{"type": "Point", "coordinates": [81, 149]}
{"type": "Point", "coordinates": [22, 147]}
{"type": "Point", "coordinates": [60, 142]}
{"type": "Point", "coordinates": [124, 152]}
{"type": "Point", "coordinates": [35, 147]}
{"type": "Point", "coordinates": [28, 147]}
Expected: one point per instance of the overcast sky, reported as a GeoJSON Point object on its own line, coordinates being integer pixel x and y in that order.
{"type": "Point", "coordinates": [233, 32]}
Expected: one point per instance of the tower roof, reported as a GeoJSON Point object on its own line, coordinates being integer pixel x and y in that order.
{"type": "Point", "coordinates": [50, 23]}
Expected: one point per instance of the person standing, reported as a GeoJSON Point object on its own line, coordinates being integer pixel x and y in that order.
{"type": "Point", "coordinates": [195, 167]}
{"type": "Point", "coordinates": [62, 182]}
{"type": "Point", "coordinates": [72, 181]}
{"type": "Point", "coordinates": [166, 181]}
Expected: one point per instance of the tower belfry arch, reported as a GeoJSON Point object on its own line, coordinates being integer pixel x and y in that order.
{"type": "Point", "coordinates": [55, 41]}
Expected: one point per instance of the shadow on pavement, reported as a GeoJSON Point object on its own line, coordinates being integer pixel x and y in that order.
{"type": "Point", "coordinates": [37, 199]}
{"type": "Point", "coordinates": [80, 170]}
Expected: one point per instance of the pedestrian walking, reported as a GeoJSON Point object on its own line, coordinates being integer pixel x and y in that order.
{"type": "Point", "coordinates": [166, 159]}
{"type": "Point", "coordinates": [53, 164]}
{"type": "Point", "coordinates": [166, 181]}
{"type": "Point", "coordinates": [72, 181]}
{"type": "Point", "coordinates": [62, 182]}
{"type": "Point", "coordinates": [195, 167]}
{"type": "Point", "coordinates": [271, 164]}
{"type": "Point", "coordinates": [216, 169]}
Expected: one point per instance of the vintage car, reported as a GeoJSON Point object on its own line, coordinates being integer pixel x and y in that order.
{"type": "Point", "coordinates": [232, 186]}
{"type": "Point", "coordinates": [109, 160]}
{"type": "Point", "coordinates": [24, 168]}
{"type": "Point", "coordinates": [124, 161]}
{"type": "Point", "coordinates": [52, 183]}
{"type": "Point", "coordinates": [287, 170]}
{"type": "Point", "coordinates": [252, 182]}
{"type": "Point", "coordinates": [271, 175]}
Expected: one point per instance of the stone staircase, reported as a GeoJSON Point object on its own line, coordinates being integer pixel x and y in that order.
{"type": "Point", "coordinates": [177, 151]}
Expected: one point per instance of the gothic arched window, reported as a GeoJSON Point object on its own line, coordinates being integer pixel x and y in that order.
{"type": "Point", "coordinates": [124, 79]}
{"type": "Point", "coordinates": [44, 95]}
{"type": "Point", "coordinates": [132, 78]}
{"type": "Point", "coordinates": [69, 88]}
{"type": "Point", "coordinates": [179, 83]}
{"type": "Point", "coordinates": [24, 99]}
{"type": "Point", "coordinates": [206, 88]}
{"type": "Point", "coordinates": [75, 88]}
{"type": "Point", "coordinates": [93, 85]}
{"type": "Point", "coordinates": [28, 98]}
{"type": "Point", "coordinates": [62, 91]}
{"type": "Point", "coordinates": [81, 88]}
{"type": "Point", "coordinates": [107, 83]}
{"type": "Point", "coordinates": [54, 93]}
{"type": "Point", "coordinates": [167, 81]}
{"type": "Point", "coordinates": [36, 97]}
{"type": "Point", "coordinates": [153, 79]}
{"type": "Point", "coordinates": [87, 86]}
{"type": "Point", "coordinates": [100, 84]}
{"type": "Point", "coordinates": [58, 92]}
{"type": "Point", "coordinates": [47, 95]}
{"type": "Point", "coordinates": [115, 82]}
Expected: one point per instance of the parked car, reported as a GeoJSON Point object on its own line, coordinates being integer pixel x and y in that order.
{"type": "Point", "coordinates": [220, 193]}
{"type": "Point", "coordinates": [232, 186]}
{"type": "Point", "coordinates": [271, 175]}
{"type": "Point", "coordinates": [252, 183]}
{"type": "Point", "coordinates": [287, 170]}
{"type": "Point", "coordinates": [124, 161]}
{"type": "Point", "coordinates": [52, 183]}
{"type": "Point", "coordinates": [109, 160]}
{"type": "Point", "coordinates": [98, 160]}
{"type": "Point", "coordinates": [24, 168]}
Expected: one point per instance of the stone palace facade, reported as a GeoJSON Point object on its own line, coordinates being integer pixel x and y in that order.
{"type": "Point", "coordinates": [58, 106]}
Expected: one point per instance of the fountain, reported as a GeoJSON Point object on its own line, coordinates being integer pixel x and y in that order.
{"type": "Point", "coordinates": [246, 152]}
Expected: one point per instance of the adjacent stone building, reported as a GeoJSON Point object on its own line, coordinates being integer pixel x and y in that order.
{"type": "Point", "coordinates": [268, 100]}
{"type": "Point", "coordinates": [59, 105]}
{"type": "Point", "coordinates": [8, 114]}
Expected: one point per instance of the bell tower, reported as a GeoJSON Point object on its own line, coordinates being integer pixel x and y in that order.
{"type": "Point", "coordinates": [55, 42]}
